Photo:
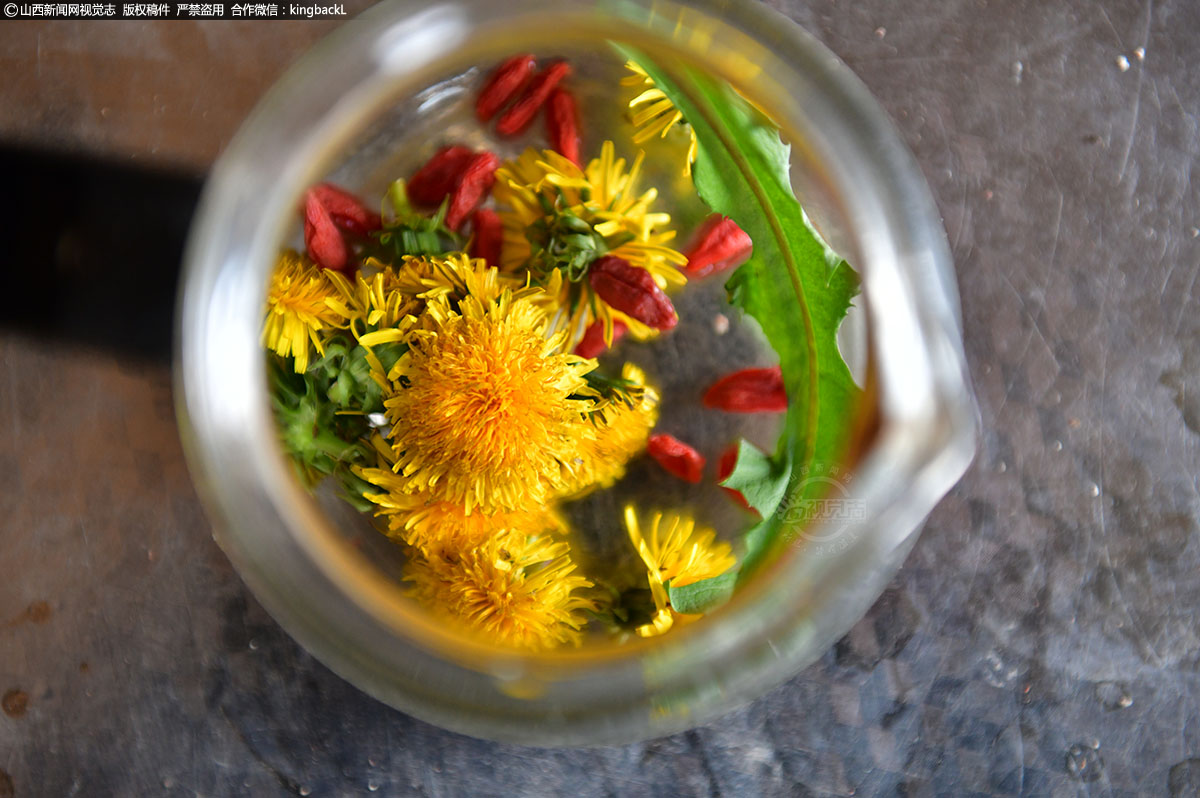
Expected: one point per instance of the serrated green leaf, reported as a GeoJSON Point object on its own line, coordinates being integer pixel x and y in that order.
{"type": "Point", "coordinates": [792, 284]}
{"type": "Point", "coordinates": [761, 480]}
{"type": "Point", "coordinates": [704, 595]}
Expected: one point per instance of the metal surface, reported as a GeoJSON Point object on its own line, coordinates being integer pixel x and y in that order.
{"type": "Point", "coordinates": [1041, 640]}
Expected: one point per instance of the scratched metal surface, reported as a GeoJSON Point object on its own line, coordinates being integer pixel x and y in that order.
{"type": "Point", "coordinates": [1043, 638]}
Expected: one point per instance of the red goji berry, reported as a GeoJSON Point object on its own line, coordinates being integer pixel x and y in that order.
{"type": "Point", "coordinates": [488, 234]}
{"type": "Point", "coordinates": [676, 457]}
{"type": "Point", "coordinates": [632, 291]}
{"type": "Point", "coordinates": [749, 391]}
{"type": "Point", "coordinates": [437, 178]}
{"type": "Point", "coordinates": [562, 125]}
{"type": "Point", "coordinates": [593, 338]}
{"type": "Point", "coordinates": [505, 82]}
{"type": "Point", "coordinates": [725, 467]}
{"type": "Point", "coordinates": [514, 121]}
{"type": "Point", "coordinates": [719, 244]}
{"type": "Point", "coordinates": [473, 187]}
{"type": "Point", "coordinates": [322, 239]}
{"type": "Point", "coordinates": [346, 210]}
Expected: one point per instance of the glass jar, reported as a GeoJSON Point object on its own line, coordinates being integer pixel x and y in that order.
{"type": "Point", "coordinates": [342, 111]}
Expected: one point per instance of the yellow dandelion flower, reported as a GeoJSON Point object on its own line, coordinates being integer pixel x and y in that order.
{"type": "Point", "coordinates": [454, 274]}
{"type": "Point", "coordinates": [622, 427]}
{"type": "Point", "coordinates": [391, 293]}
{"type": "Point", "coordinates": [372, 303]}
{"type": "Point", "coordinates": [484, 406]}
{"type": "Point", "coordinates": [384, 307]}
{"type": "Point", "coordinates": [374, 309]}
{"type": "Point", "coordinates": [654, 114]}
{"type": "Point", "coordinates": [444, 527]}
{"type": "Point", "coordinates": [298, 309]}
{"type": "Point", "coordinates": [514, 590]}
{"type": "Point", "coordinates": [675, 553]}
{"type": "Point", "coordinates": [558, 218]}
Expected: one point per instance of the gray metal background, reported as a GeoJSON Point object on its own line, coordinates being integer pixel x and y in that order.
{"type": "Point", "coordinates": [1042, 639]}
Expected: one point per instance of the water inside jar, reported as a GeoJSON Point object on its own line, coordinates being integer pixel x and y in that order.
{"type": "Point", "coordinates": [712, 338]}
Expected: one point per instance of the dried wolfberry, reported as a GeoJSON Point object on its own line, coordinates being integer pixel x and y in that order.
{"type": "Point", "coordinates": [437, 178]}
{"type": "Point", "coordinates": [514, 121]}
{"type": "Point", "coordinates": [488, 234]}
{"type": "Point", "coordinates": [346, 210]}
{"type": "Point", "coordinates": [632, 291]}
{"type": "Point", "coordinates": [473, 187]}
{"type": "Point", "coordinates": [503, 84]}
{"type": "Point", "coordinates": [676, 457]}
{"type": "Point", "coordinates": [719, 244]}
{"type": "Point", "coordinates": [725, 467]}
{"type": "Point", "coordinates": [749, 391]}
{"type": "Point", "coordinates": [322, 239]}
{"type": "Point", "coordinates": [593, 338]}
{"type": "Point", "coordinates": [562, 125]}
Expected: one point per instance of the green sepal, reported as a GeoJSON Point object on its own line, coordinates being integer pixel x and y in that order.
{"type": "Point", "coordinates": [407, 232]}
{"type": "Point", "coordinates": [310, 430]}
{"type": "Point", "coordinates": [355, 489]}
{"type": "Point", "coordinates": [344, 368]}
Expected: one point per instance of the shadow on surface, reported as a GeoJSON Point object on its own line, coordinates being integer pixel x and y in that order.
{"type": "Point", "coordinates": [93, 249]}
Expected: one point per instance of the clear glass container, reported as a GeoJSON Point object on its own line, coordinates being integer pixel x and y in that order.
{"type": "Point", "coordinates": [397, 74]}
